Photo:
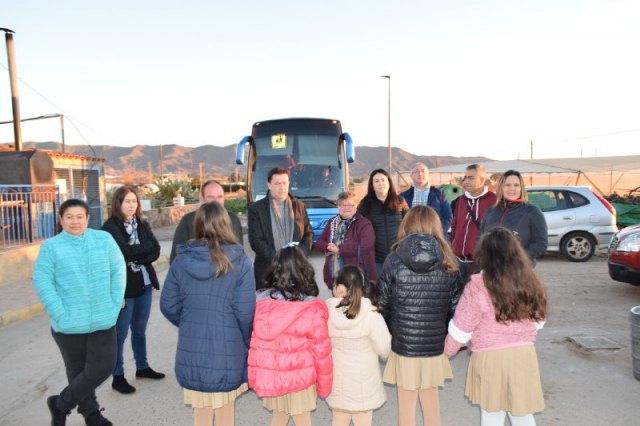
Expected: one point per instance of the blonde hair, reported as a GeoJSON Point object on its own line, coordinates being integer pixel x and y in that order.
{"type": "Point", "coordinates": [424, 220]}
{"type": "Point", "coordinates": [213, 226]}
{"type": "Point", "coordinates": [500, 187]}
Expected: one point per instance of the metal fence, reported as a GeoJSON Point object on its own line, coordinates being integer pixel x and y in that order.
{"type": "Point", "coordinates": [27, 214]}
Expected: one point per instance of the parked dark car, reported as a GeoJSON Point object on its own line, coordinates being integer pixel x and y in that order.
{"type": "Point", "coordinates": [624, 255]}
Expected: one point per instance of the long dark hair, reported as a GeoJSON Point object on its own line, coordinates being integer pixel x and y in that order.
{"type": "Point", "coordinates": [291, 275]}
{"type": "Point", "coordinates": [393, 202]}
{"type": "Point", "coordinates": [515, 289]}
{"type": "Point", "coordinates": [118, 199]}
{"type": "Point", "coordinates": [213, 227]}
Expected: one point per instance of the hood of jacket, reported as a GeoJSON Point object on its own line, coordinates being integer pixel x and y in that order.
{"type": "Point", "coordinates": [279, 315]}
{"type": "Point", "coordinates": [420, 253]}
{"type": "Point", "coordinates": [345, 326]}
{"type": "Point", "coordinates": [197, 260]}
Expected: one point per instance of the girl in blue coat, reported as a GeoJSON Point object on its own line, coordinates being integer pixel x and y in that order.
{"type": "Point", "coordinates": [209, 294]}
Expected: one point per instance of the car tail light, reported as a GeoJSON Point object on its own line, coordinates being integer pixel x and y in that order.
{"type": "Point", "coordinates": [607, 204]}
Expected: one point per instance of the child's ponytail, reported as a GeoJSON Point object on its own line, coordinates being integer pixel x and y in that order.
{"type": "Point", "coordinates": [353, 279]}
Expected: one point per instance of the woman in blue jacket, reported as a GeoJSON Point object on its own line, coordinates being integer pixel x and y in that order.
{"type": "Point", "coordinates": [209, 294]}
{"type": "Point", "coordinates": [79, 277]}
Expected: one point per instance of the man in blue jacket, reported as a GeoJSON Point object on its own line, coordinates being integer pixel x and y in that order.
{"type": "Point", "coordinates": [422, 193]}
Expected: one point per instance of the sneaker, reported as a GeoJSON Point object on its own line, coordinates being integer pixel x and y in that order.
{"type": "Point", "coordinates": [58, 417]}
{"type": "Point", "coordinates": [97, 419]}
{"type": "Point", "coordinates": [121, 385]}
{"type": "Point", "coordinates": [148, 373]}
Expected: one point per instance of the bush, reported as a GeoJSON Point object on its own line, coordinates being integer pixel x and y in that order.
{"type": "Point", "coordinates": [167, 189]}
{"type": "Point", "coordinates": [236, 205]}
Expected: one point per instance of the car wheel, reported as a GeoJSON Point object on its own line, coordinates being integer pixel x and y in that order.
{"type": "Point", "coordinates": [578, 247]}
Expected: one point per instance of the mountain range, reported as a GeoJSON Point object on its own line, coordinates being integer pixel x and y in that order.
{"type": "Point", "coordinates": [182, 160]}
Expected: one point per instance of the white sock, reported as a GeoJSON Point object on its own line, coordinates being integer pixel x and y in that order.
{"type": "Point", "coordinates": [526, 420]}
{"type": "Point", "coordinates": [492, 419]}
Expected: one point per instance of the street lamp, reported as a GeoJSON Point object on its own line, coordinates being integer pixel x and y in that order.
{"type": "Point", "coordinates": [388, 77]}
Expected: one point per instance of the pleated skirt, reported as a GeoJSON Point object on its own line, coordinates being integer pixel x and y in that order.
{"type": "Point", "coordinates": [415, 373]}
{"type": "Point", "coordinates": [293, 403]}
{"type": "Point", "coordinates": [213, 400]}
{"type": "Point", "coordinates": [505, 380]}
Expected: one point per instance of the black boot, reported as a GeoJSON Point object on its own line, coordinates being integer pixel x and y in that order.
{"type": "Point", "coordinates": [97, 419]}
{"type": "Point", "coordinates": [121, 385]}
{"type": "Point", "coordinates": [58, 417]}
{"type": "Point", "coordinates": [149, 374]}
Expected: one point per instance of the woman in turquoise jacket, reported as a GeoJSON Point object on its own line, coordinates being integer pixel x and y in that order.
{"type": "Point", "coordinates": [79, 277]}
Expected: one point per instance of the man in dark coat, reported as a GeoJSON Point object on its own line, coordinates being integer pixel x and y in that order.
{"type": "Point", "coordinates": [422, 193]}
{"type": "Point", "coordinates": [210, 191]}
{"type": "Point", "coordinates": [275, 221]}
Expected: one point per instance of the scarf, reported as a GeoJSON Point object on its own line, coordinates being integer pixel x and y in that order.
{"type": "Point", "coordinates": [281, 221]}
{"type": "Point", "coordinates": [131, 226]}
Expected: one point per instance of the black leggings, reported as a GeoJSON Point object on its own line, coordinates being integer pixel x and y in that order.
{"type": "Point", "coordinates": [89, 360]}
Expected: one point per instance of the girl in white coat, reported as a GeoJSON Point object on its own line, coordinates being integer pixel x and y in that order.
{"type": "Point", "coordinates": [359, 336]}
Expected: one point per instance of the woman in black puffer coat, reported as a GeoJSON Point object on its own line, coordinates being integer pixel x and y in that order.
{"type": "Point", "coordinates": [385, 209]}
{"type": "Point", "coordinates": [419, 288]}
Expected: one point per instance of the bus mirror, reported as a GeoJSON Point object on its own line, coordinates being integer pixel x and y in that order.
{"type": "Point", "coordinates": [240, 149]}
{"type": "Point", "coordinates": [351, 154]}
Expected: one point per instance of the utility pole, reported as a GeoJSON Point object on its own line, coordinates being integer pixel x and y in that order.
{"type": "Point", "coordinates": [388, 77]}
{"type": "Point", "coordinates": [161, 164]}
{"type": "Point", "coordinates": [15, 98]}
{"type": "Point", "coordinates": [62, 131]}
{"type": "Point", "coordinates": [532, 149]}
{"type": "Point", "coordinates": [201, 174]}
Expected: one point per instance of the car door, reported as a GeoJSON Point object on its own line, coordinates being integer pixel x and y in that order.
{"type": "Point", "coordinates": [557, 212]}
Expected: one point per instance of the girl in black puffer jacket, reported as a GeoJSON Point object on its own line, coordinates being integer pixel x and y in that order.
{"type": "Point", "coordinates": [419, 288]}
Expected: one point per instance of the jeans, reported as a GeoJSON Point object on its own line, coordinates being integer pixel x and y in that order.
{"type": "Point", "coordinates": [88, 359]}
{"type": "Point", "coordinates": [135, 315]}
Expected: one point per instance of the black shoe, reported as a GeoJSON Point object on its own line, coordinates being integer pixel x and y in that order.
{"type": "Point", "coordinates": [58, 418]}
{"type": "Point", "coordinates": [148, 373]}
{"type": "Point", "coordinates": [97, 419]}
{"type": "Point", "coordinates": [121, 385]}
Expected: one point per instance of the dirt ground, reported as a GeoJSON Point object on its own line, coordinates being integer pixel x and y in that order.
{"type": "Point", "coordinates": [591, 381]}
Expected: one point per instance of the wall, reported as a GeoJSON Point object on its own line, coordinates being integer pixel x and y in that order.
{"type": "Point", "coordinates": [168, 215]}
{"type": "Point", "coordinates": [16, 264]}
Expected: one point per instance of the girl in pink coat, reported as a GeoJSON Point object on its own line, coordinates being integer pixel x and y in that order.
{"type": "Point", "coordinates": [290, 362]}
{"type": "Point", "coordinates": [500, 313]}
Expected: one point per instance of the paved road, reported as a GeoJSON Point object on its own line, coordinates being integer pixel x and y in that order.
{"type": "Point", "coordinates": [582, 386]}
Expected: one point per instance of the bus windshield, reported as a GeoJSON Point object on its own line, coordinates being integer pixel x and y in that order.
{"type": "Point", "coordinates": [315, 163]}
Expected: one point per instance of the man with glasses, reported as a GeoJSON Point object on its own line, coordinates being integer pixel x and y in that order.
{"type": "Point", "coordinates": [422, 193]}
{"type": "Point", "coordinates": [467, 216]}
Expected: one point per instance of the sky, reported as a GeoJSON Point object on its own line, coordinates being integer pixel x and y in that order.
{"type": "Point", "coordinates": [497, 78]}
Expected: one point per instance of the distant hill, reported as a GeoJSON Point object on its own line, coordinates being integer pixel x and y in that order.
{"type": "Point", "coordinates": [221, 159]}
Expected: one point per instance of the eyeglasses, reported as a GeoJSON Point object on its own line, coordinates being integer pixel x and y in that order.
{"type": "Point", "coordinates": [419, 172]}
{"type": "Point", "coordinates": [346, 206]}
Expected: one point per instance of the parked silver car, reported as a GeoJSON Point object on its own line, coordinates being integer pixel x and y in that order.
{"type": "Point", "coordinates": [578, 219]}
